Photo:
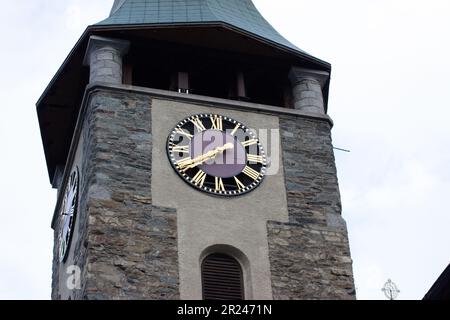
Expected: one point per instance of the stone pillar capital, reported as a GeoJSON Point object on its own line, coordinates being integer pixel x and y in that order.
{"type": "Point", "coordinates": [104, 56]}
{"type": "Point", "coordinates": [297, 75]}
{"type": "Point", "coordinates": [307, 88]}
{"type": "Point", "coordinates": [95, 43]}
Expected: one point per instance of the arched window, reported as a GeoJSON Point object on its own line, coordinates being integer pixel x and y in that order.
{"type": "Point", "coordinates": [222, 278]}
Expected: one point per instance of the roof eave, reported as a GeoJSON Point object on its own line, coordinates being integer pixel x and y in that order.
{"type": "Point", "coordinates": [226, 25]}
{"type": "Point", "coordinates": [63, 65]}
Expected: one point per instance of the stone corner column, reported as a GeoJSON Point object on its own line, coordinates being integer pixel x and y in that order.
{"type": "Point", "coordinates": [104, 56]}
{"type": "Point", "coordinates": [307, 89]}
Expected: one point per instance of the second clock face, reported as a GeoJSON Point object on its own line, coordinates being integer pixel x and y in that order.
{"type": "Point", "coordinates": [68, 215]}
{"type": "Point", "coordinates": [217, 154]}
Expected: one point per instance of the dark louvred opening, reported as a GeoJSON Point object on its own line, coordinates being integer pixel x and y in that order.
{"type": "Point", "coordinates": [222, 278]}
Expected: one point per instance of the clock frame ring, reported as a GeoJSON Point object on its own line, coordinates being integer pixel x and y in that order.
{"type": "Point", "coordinates": [253, 170]}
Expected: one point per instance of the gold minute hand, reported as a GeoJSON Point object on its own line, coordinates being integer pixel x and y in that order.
{"type": "Point", "coordinates": [209, 155]}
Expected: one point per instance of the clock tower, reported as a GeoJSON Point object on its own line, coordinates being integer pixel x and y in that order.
{"type": "Point", "coordinates": [191, 149]}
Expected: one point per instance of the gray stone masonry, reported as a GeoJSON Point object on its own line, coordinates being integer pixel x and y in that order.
{"type": "Point", "coordinates": [126, 248]}
{"type": "Point", "coordinates": [307, 89]}
{"type": "Point", "coordinates": [104, 56]}
{"type": "Point", "coordinates": [132, 244]}
{"type": "Point", "coordinates": [310, 262]}
{"type": "Point", "coordinates": [310, 255]}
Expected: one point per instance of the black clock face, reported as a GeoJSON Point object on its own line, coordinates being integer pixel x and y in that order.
{"type": "Point", "coordinates": [217, 154]}
{"type": "Point", "coordinates": [68, 214]}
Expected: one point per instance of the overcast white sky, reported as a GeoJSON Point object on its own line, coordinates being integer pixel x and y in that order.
{"type": "Point", "coordinates": [390, 100]}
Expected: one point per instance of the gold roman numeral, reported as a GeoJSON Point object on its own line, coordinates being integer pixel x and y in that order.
{"type": "Point", "coordinates": [199, 178]}
{"type": "Point", "coordinates": [219, 185]}
{"type": "Point", "coordinates": [235, 129]}
{"type": "Point", "coordinates": [184, 133]}
{"type": "Point", "coordinates": [249, 142]}
{"type": "Point", "coordinates": [251, 173]}
{"type": "Point", "coordinates": [181, 149]}
{"type": "Point", "coordinates": [254, 158]}
{"type": "Point", "coordinates": [239, 184]}
{"type": "Point", "coordinates": [217, 123]}
{"type": "Point", "coordinates": [198, 124]}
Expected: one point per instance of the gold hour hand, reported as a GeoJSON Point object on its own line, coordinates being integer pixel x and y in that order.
{"type": "Point", "coordinates": [209, 155]}
{"type": "Point", "coordinates": [183, 164]}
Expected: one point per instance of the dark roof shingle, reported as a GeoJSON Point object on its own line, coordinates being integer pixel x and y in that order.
{"type": "Point", "coordinates": [241, 14]}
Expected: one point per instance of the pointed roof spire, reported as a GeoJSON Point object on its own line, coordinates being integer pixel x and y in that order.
{"type": "Point", "coordinates": [241, 14]}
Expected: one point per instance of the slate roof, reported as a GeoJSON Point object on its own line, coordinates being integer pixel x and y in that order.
{"type": "Point", "coordinates": [241, 14]}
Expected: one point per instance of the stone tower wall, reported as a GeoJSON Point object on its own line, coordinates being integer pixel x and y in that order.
{"type": "Point", "coordinates": [130, 245]}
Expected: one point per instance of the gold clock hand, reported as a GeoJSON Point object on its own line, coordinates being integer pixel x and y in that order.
{"type": "Point", "coordinates": [210, 155]}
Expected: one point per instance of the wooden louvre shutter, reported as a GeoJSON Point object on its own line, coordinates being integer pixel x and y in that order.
{"type": "Point", "coordinates": [222, 278]}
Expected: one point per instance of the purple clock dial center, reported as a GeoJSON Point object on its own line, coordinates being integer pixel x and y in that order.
{"type": "Point", "coordinates": [228, 163]}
